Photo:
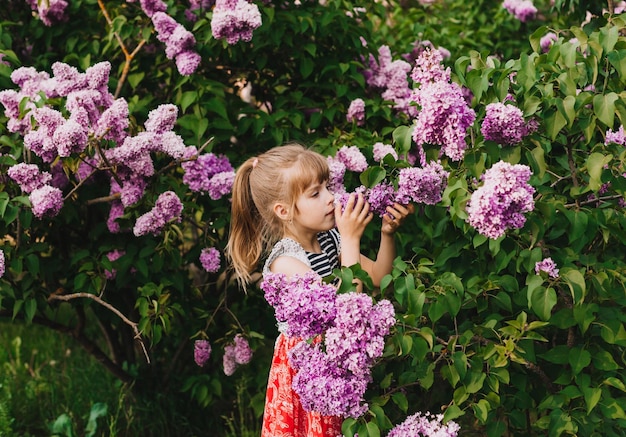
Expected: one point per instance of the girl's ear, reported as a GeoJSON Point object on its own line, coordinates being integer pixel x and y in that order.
{"type": "Point", "coordinates": [281, 211]}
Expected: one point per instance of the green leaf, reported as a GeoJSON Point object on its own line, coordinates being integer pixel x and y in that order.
{"type": "Point", "coordinates": [403, 138]}
{"type": "Point", "coordinates": [481, 410]}
{"type": "Point", "coordinates": [576, 282]}
{"type": "Point", "coordinates": [595, 165]}
{"type": "Point", "coordinates": [372, 430]}
{"type": "Point", "coordinates": [604, 108]}
{"type": "Point", "coordinates": [542, 301]}
{"type": "Point", "coordinates": [372, 176]}
{"type": "Point", "coordinates": [99, 409]}
{"type": "Point", "coordinates": [401, 401]}
{"type": "Point", "coordinates": [592, 396]}
{"type": "Point", "coordinates": [578, 359]}
{"type": "Point", "coordinates": [554, 122]}
{"type": "Point", "coordinates": [452, 412]}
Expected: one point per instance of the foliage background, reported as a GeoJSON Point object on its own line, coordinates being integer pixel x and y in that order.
{"type": "Point", "coordinates": [480, 336]}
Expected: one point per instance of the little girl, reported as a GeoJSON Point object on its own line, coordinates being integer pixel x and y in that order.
{"type": "Point", "coordinates": [280, 201]}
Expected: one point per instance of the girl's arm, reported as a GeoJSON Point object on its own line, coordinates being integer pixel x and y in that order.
{"type": "Point", "coordinates": [387, 249]}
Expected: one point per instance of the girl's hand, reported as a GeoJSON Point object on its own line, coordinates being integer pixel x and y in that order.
{"type": "Point", "coordinates": [351, 223]}
{"type": "Point", "coordinates": [395, 216]}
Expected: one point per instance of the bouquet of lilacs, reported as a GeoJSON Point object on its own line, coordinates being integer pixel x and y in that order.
{"type": "Point", "coordinates": [345, 334]}
{"type": "Point", "coordinates": [396, 180]}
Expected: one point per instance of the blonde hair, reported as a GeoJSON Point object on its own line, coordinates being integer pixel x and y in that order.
{"type": "Point", "coordinates": [279, 175]}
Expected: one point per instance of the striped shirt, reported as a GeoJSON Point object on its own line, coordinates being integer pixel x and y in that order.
{"type": "Point", "coordinates": [325, 262]}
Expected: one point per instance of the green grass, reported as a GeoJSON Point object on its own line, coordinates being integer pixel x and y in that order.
{"type": "Point", "coordinates": [45, 377]}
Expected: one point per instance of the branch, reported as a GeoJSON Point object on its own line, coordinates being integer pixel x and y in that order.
{"type": "Point", "coordinates": [133, 325]}
{"type": "Point", "coordinates": [599, 199]}
{"type": "Point", "coordinates": [104, 199]}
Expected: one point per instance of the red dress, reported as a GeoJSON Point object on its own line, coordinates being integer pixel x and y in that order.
{"type": "Point", "coordinates": [284, 415]}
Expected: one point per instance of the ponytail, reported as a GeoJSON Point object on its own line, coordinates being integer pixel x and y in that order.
{"type": "Point", "coordinates": [245, 242]}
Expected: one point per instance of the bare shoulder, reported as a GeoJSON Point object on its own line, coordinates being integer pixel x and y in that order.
{"type": "Point", "coordinates": [289, 266]}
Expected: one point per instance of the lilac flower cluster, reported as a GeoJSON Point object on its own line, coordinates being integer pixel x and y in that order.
{"type": "Point", "coordinates": [422, 185]}
{"type": "Point", "coordinates": [179, 42]}
{"type": "Point", "coordinates": [235, 20]}
{"type": "Point", "coordinates": [210, 259]}
{"type": "Point", "coordinates": [616, 137]}
{"type": "Point", "coordinates": [391, 78]}
{"type": "Point", "coordinates": [112, 256]}
{"type": "Point", "coordinates": [444, 114]}
{"type": "Point", "coordinates": [503, 199]}
{"type": "Point", "coordinates": [356, 112]}
{"type": "Point", "coordinates": [28, 176]}
{"type": "Point", "coordinates": [201, 352]}
{"type": "Point", "coordinates": [419, 46]}
{"type": "Point", "coordinates": [46, 201]}
{"type": "Point", "coordinates": [547, 40]}
{"type": "Point", "coordinates": [236, 354]}
{"type": "Point", "coordinates": [167, 208]}
{"type": "Point", "coordinates": [352, 158]}
{"type": "Point", "coordinates": [381, 150]}
{"type": "Point", "coordinates": [523, 10]}
{"type": "Point", "coordinates": [547, 265]}
{"type": "Point", "coordinates": [50, 11]}
{"type": "Point", "coordinates": [333, 371]}
{"type": "Point", "coordinates": [2, 263]}
{"type": "Point", "coordinates": [425, 425]}
{"type": "Point", "coordinates": [208, 173]}
{"type": "Point", "coordinates": [504, 124]}
{"type": "Point", "coordinates": [197, 5]}
{"type": "Point", "coordinates": [305, 303]}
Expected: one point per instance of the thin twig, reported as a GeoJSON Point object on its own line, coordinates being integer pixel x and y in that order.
{"type": "Point", "coordinates": [133, 325]}
{"type": "Point", "coordinates": [599, 199]}
{"type": "Point", "coordinates": [104, 199]}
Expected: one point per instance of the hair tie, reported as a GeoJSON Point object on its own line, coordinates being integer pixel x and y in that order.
{"type": "Point", "coordinates": [255, 162]}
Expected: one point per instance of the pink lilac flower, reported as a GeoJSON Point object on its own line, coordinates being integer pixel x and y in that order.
{"type": "Point", "coordinates": [116, 211]}
{"type": "Point", "coordinates": [504, 124]}
{"type": "Point", "coordinates": [337, 172]}
{"type": "Point", "coordinates": [425, 425]}
{"type": "Point", "coordinates": [429, 68]}
{"type": "Point", "coordinates": [444, 115]}
{"type": "Point", "coordinates": [228, 361]}
{"type": "Point", "coordinates": [356, 112]}
{"type": "Point", "coordinates": [380, 196]}
{"type": "Point", "coordinates": [523, 10]}
{"type": "Point", "coordinates": [168, 207]}
{"type": "Point", "coordinates": [548, 266]}
{"type": "Point", "coordinates": [201, 352]}
{"type": "Point", "coordinates": [422, 185]}
{"type": "Point", "coordinates": [2, 263]}
{"type": "Point", "coordinates": [381, 150]}
{"type": "Point", "coordinates": [547, 40]}
{"type": "Point", "coordinates": [50, 11]}
{"type": "Point", "coordinates": [199, 172]}
{"type": "Point", "coordinates": [179, 42]}
{"type": "Point", "coordinates": [112, 256]}
{"type": "Point", "coordinates": [210, 259]}
{"type": "Point", "coordinates": [28, 176]}
{"type": "Point", "coordinates": [352, 158]}
{"type": "Point", "coordinates": [243, 353]}
{"type": "Point", "coordinates": [235, 20]}
{"type": "Point", "coordinates": [187, 62]}
{"type": "Point", "coordinates": [150, 7]}
{"type": "Point", "coordinates": [221, 184]}
{"type": "Point", "coordinates": [113, 122]}
{"type": "Point", "coordinates": [70, 138]}
{"type": "Point", "coordinates": [46, 201]}
{"type": "Point", "coordinates": [616, 137]}
{"type": "Point", "coordinates": [503, 199]}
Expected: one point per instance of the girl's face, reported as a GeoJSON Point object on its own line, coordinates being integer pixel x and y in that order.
{"type": "Point", "coordinates": [315, 209]}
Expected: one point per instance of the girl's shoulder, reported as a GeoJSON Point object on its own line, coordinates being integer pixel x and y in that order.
{"type": "Point", "coordinates": [286, 247]}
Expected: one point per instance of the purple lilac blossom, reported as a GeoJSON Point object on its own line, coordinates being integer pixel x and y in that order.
{"type": "Point", "coordinates": [356, 112]}
{"type": "Point", "coordinates": [243, 353]}
{"type": "Point", "coordinates": [2, 263]}
{"type": "Point", "coordinates": [70, 138]}
{"type": "Point", "coordinates": [228, 361]}
{"type": "Point", "coordinates": [168, 207]}
{"type": "Point", "coordinates": [112, 256]}
{"type": "Point", "coordinates": [352, 158]}
{"type": "Point", "coordinates": [28, 176]}
{"type": "Point", "coordinates": [616, 137]}
{"type": "Point", "coordinates": [50, 11]}
{"type": "Point", "coordinates": [337, 172]}
{"type": "Point", "coordinates": [425, 425]}
{"type": "Point", "coordinates": [200, 171]}
{"type": "Point", "coordinates": [235, 20]}
{"type": "Point", "coordinates": [116, 211]}
{"type": "Point", "coordinates": [210, 259]}
{"type": "Point", "coordinates": [547, 40]}
{"type": "Point", "coordinates": [179, 42]}
{"type": "Point", "coordinates": [46, 201]}
{"type": "Point", "coordinates": [547, 265]}
{"type": "Point", "coordinates": [59, 178]}
{"type": "Point", "coordinates": [503, 199]}
{"type": "Point", "coordinates": [422, 185]}
{"type": "Point", "coordinates": [523, 10]}
{"type": "Point", "coordinates": [201, 352]}
{"type": "Point", "coordinates": [380, 196]}
{"type": "Point", "coordinates": [504, 124]}
{"type": "Point", "coordinates": [113, 122]}
{"type": "Point", "coordinates": [150, 7]}
{"type": "Point", "coordinates": [197, 5]}
{"type": "Point", "coordinates": [221, 184]}
{"type": "Point", "coordinates": [444, 114]}
{"type": "Point", "coordinates": [381, 150]}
